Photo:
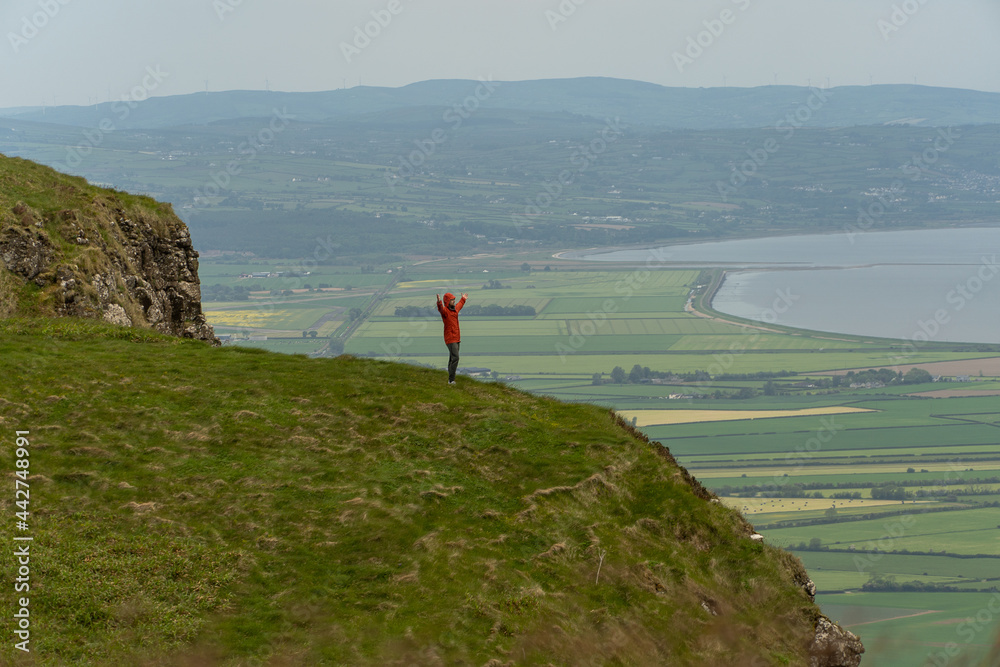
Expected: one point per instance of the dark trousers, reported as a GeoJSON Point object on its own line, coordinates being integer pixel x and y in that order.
{"type": "Point", "coordinates": [452, 360]}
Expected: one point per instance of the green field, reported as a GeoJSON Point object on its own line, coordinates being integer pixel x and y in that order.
{"type": "Point", "coordinates": [904, 630]}
{"type": "Point", "coordinates": [968, 532]}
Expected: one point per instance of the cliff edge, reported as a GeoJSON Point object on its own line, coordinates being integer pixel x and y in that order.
{"type": "Point", "coordinates": [68, 248]}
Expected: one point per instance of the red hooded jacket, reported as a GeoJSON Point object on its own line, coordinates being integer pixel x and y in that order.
{"type": "Point", "coordinates": [452, 334]}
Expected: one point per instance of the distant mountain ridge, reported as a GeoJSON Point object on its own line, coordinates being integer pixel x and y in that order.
{"type": "Point", "coordinates": [635, 102]}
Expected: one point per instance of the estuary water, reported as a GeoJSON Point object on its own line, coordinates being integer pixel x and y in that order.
{"type": "Point", "coordinates": [939, 285]}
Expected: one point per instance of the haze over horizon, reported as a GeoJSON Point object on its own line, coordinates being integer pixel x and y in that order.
{"type": "Point", "coordinates": [58, 53]}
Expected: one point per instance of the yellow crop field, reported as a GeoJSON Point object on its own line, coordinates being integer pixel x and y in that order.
{"type": "Point", "coordinates": [662, 417]}
{"type": "Point", "coordinates": [771, 505]}
{"type": "Point", "coordinates": [251, 317]}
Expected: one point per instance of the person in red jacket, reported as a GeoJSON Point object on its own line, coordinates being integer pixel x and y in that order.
{"type": "Point", "coordinates": [452, 335]}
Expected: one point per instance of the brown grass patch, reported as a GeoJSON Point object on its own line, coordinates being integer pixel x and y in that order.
{"type": "Point", "coordinates": [90, 451]}
{"type": "Point", "coordinates": [957, 393]}
{"type": "Point", "coordinates": [439, 492]}
{"type": "Point", "coordinates": [428, 542]}
{"type": "Point", "coordinates": [553, 551]}
{"type": "Point", "coordinates": [141, 508]}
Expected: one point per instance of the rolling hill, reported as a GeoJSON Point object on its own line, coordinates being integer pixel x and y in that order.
{"type": "Point", "coordinates": [635, 102]}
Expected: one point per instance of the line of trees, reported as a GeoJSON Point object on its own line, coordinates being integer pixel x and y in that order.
{"type": "Point", "coordinates": [641, 374]}
{"type": "Point", "coordinates": [883, 376]}
{"type": "Point", "coordinates": [886, 583]}
{"type": "Point", "coordinates": [220, 292]}
{"type": "Point", "coordinates": [473, 310]}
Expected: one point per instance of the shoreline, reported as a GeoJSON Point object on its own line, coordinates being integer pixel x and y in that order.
{"type": "Point", "coordinates": [603, 250]}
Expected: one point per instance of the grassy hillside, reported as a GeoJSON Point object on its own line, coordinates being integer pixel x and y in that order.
{"type": "Point", "coordinates": [230, 505]}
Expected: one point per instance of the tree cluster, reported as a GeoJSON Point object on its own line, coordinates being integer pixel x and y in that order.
{"type": "Point", "coordinates": [883, 376]}
{"type": "Point", "coordinates": [473, 310]}
{"type": "Point", "coordinates": [220, 292]}
{"type": "Point", "coordinates": [883, 583]}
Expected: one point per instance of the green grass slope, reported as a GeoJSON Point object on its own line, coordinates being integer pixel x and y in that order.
{"type": "Point", "coordinates": [196, 505]}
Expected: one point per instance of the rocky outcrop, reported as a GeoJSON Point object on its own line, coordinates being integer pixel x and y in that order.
{"type": "Point", "coordinates": [124, 259]}
{"type": "Point", "coordinates": [834, 646]}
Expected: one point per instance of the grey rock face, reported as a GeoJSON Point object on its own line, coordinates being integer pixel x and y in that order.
{"type": "Point", "coordinates": [26, 252]}
{"type": "Point", "coordinates": [834, 647]}
{"type": "Point", "coordinates": [128, 270]}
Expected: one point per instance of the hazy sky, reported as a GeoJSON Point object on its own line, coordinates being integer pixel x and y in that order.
{"type": "Point", "coordinates": [80, 51]}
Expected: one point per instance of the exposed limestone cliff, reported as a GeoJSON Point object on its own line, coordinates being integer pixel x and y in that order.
{"type": "Point", "coordinates": [71, 249]}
